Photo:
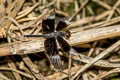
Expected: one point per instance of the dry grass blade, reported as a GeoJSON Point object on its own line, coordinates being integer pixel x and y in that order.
{"type": "Point", "coordinates": [3, 77]}
{"type": "Point", "coordinates": [94, 41]}
{"type": "Point", "coordinates": [22, 73]}
{"type": "Point", "coordinates": [101, 55]}
{"type": "Point", "coordinates": [83, 5]}
{"type": "Point", "coordinates": [33, 68]}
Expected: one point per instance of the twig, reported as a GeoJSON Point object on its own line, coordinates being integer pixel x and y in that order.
{"type": "Point", "coordinates": [11, 64]}
{"type": "Point", "coordinates": [114, 8]}
{"type": "Point", "coordinates": [69, 66]}
{"type": "Point", "coordinates": [3, 77]}
{"type": "Point", "coordinates": [101, 55]}
{"type": "Point", "coordinates": [83, 5]}
{"type": "Point", "coordinates": [33, 68]}
{"type": "Point", "coordinates": [18, 25]}
{"type": "Point", "coordinates": [22, 73]}
{"type": "Point", "coordinates": [18, 5]}
{"type": "Point", "coordinates": [104, 75]}
{"type": "Point", "coordinates": [28, 11]}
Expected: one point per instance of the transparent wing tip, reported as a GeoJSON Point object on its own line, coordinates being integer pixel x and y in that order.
{"type": "Point", "coordinates": [56, 61]}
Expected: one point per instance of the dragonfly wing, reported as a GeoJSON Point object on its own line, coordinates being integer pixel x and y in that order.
{"type": "Point", "coordinates": [61, 25]}
{"type": "Point", "coordinates": [48, 25]}
{"type": "Point", "coordinates": [52, 52]}
{"type": "Point", "coordinates": [63, 44]}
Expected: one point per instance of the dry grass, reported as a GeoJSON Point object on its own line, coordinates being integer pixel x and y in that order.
{"type": "Point", "coordinates": [95, 31]}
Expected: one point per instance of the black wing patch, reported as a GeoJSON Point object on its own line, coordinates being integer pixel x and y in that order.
{"type": "Point", "coordinates": [63, 44]}
{"type": "Point", "coordinates": [52, 52]}
{"type": "Point", "coordinates": [57, 15]}
{"type": "Point", "coordinates": [48, 25]}
{"type": "Point", "coordinates": [61, 25]}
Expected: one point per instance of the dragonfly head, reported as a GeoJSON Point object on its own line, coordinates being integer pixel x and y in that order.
{"type": "Point", "coordinates": [68, 34]}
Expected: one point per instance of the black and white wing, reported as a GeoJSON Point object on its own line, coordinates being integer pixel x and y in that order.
{"type": "Point", "coordinates": [52, 52]}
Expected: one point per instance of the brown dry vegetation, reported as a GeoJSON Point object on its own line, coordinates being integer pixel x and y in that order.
{"type": "Point", "coordinates": [95, 31]}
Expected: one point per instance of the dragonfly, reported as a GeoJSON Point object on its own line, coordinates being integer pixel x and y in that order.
{"type": "Point", "coordinates": [52, 29]}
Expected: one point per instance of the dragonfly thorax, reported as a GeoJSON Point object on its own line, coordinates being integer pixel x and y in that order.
{"type": "Point", "coordinates": [55, 34]}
